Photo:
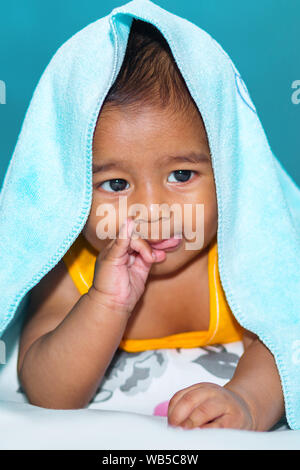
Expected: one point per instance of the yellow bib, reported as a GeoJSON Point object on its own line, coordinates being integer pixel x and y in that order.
{"type": "Point", "coordinates": [223, 328]}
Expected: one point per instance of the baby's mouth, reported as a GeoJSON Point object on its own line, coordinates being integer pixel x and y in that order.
{"type": "Point", "coordinates": [172, 242]}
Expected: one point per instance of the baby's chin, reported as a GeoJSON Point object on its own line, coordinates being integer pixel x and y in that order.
{"type": "Point", "coordinates": [173, 263]}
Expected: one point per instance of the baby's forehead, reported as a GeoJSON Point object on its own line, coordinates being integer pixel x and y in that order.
{"type": "Point", "coordinates": [136, 162]}
{"type": "Point", "coordinates": [128, 140]}
{"type": "Point", "coordinates": [122, 125]}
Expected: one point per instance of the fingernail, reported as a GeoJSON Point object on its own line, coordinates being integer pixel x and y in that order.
{"type": "Point", "coordinates": [131, 228]}
{"type": "Point", "coordinates": [123, 229]}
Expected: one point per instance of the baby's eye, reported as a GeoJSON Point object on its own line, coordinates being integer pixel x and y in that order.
{"type": "Point", "coordinates": [115, 185]}
{"type": "Point", "coordinates": [182, 175]}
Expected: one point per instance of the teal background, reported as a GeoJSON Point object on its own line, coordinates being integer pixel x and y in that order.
{"type": "Point", "coordinates": [261, 37]}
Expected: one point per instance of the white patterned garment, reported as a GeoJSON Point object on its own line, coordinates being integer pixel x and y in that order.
{"type": "Point", "coordinates": [141, 382]}
{"type": "Point", "coordinates": [144, 382]}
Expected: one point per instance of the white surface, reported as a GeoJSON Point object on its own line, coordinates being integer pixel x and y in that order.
{"type": "Point", "coordinates": [24, 426]}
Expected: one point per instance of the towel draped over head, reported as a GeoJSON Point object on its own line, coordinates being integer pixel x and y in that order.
{"type": "Point", "coordinates": [47, 191]}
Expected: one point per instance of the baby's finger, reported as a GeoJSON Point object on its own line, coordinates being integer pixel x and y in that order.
{"type": "Point", "coordinates": [121, 244]}
{"type": "Point", "coordinates": [142, 247]}
{"type": "Point", "coordinates": [219, 422]}
{"type": "Point", "coordinates": [177, 396]}
{"type": "Point", "coordinates": [205, 412]}
{"type": "Point", "coordinates": [185, 405]}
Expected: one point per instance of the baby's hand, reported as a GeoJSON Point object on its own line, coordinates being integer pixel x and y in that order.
{"type": "Point", "coordinates": [207, 405]}
{"type": "Point", "coordinates": [122, 268]}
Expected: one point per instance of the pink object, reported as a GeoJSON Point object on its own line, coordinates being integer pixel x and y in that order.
{"type": "Point", "coordinates": [165, 244]}
{"type": "Point", "coordinates": [161, 409]}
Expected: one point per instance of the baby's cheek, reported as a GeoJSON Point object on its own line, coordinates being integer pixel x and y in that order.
{"type": "Point", "coordinates": [161, 409]}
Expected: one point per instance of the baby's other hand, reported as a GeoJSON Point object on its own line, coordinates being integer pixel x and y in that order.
{"type": "Point", "coordinates": [207, 405]}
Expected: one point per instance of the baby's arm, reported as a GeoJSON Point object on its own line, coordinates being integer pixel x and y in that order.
{"type": "Point", "coordinates": [252, 399]}
{"type": "Point", "coordinates": [257, 380]}
{"type": "Point", "coordinates": [68, 342]}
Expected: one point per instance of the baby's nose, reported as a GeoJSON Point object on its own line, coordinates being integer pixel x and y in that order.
{"type": "Point", "coordinates": [151, 213]}
{"type": "Point", "coordinates": [155, 229]}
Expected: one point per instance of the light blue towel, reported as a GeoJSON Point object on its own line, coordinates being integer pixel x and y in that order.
{"type": "Point", "coordinates": [46, 195]}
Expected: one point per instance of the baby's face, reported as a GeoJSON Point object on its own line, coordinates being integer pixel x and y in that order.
{"type": "Point", "coordinates": [134, 151]}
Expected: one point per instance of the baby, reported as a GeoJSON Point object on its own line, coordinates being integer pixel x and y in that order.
{"type": "Point", "coordinates": [150, 147]}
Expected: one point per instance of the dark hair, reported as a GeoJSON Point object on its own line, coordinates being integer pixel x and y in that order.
{"type": "Point", "coordinates": [149, 74]}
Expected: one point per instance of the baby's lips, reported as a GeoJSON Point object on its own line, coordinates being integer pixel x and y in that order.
{"type": "Point", "coordinates": [164, 244]}
{"type": "Point", "coordinates": [130, 226]}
